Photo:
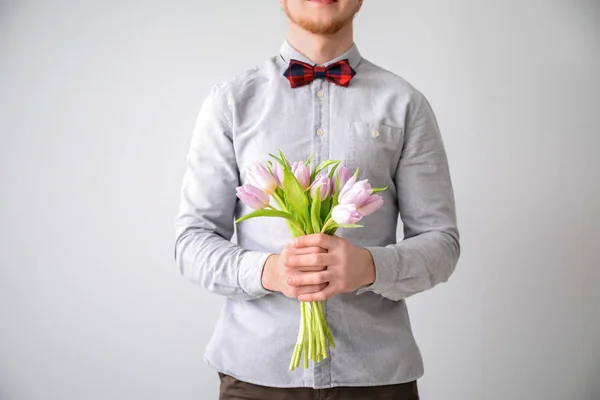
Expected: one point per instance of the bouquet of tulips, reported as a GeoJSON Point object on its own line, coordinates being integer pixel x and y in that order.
{"type": "Point", "coordinates": [311, 200]}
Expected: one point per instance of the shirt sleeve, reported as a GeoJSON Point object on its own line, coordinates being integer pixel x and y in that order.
{"type": "Point", "coordinates": [430, 249]}
{"type": "Point", "coordinates": [204, 224]}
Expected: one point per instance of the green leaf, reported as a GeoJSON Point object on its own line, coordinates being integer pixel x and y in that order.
{"type": "Point", "coordinates": [325, 207]}
{"type": "Point", "coordinates": [309, 160]}
{"type": "Point", "coordinates": [375, 190]}
{"type": "Point", "coordinates": [308, 227]}
{"type": "Point", "coordinates": [295, 197]}
{"type": "Point", "coordinates": [348, 226]}
{"type": "Point", "coordinates": [331, 231]}
{"type": "Point", "coordinates": [308, 223]}
{"type": "Point", "coordinates": [266, 213]}
{"type": "Point", "coordinates": [279, 192]}
{"type": "Point", "coordinates": [334, 202]}
{"type": "Point", "coordinates": [315, 211]}
{"type": "Point", "coordinates": [283, 159]}
{"type": "Point", "coordinates": [295, 232]}
{"type": "Point", "coordinates": [275, 157]}
{"type": "Point", "coordinates": [322, 166]}
{"type": "Point", "coordinates": [334, 169]}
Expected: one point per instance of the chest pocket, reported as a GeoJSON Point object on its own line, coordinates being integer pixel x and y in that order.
{"type": "Point", "coordinates": [373, 148]}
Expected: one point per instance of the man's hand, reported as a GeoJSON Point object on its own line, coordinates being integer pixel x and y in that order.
{"type": "Point", "coordinates": [292, 264]}
{"type": "Point", "coordinates": [348, 267]}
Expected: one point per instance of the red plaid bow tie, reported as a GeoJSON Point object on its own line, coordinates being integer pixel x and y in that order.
{"type": "Point", "coordinates": [300, 73]}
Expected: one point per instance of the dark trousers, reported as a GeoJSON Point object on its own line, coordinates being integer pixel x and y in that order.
{"type": "Point", "coordinates": [234, 389]}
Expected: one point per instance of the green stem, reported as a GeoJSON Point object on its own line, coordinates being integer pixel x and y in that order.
{"type": "Point", "coordinates": [282, 206]}
{"type": "Point", "coordinates": [326, 225]}
{"type": "Point", "coordinates": [326, 327]}
{"type": "Point", "coordinates": [280, 202]}
{"type": "Point", "coordinates": [310, 330]}
{"type": "Point", "coordinates": [299, 343]}
{"type": "Point", "coordinates": [315, 336]}
{"type": "Point", "coordinates": [298, 227]}
{"type": "Point", "coordinates": [317, 344]}
{"type": "Point", "coordinates": [322, 338]}
{"type": "Point", "coordinates": [306, 337]}
{"type": "Point", "coordinates": [294, 223]}
{"type": "Point", "coordinates": [319, 329]}
{"type": "Point", "coordinates": [318, 347]}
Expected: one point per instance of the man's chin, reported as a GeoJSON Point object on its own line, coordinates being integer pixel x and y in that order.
{"type": "Point", "coordinates": [321, 27]}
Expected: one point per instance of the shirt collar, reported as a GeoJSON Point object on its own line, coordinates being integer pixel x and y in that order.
{"type": "Point", "coordinates": [287, 52]}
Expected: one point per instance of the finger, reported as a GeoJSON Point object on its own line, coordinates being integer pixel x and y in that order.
{"type": "Point", "coordinates": [311, 278]}
{"type": "Point", "coordinates": [302, 290]}
{"type": "Point", "coordinates": [322, 295]}
{"type": "Point", "coordinates": [288, 249]}
{"type": "Point", "coordinates": [315, 239]}
{"type": "Point", "coordinates": [309, 250]}
{"type": "Point", "coordinates": [309, 269]}
{"type": "Point", "coordinates": [309, 260]}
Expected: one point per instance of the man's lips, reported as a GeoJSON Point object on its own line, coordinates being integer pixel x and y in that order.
{"type": "Point", "coordinates": [324, 1]}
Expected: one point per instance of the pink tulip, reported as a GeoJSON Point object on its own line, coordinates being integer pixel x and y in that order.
{"type": "Point", "coordinates": [302, 174]}
{"type": "Point", "coordinates": [252, 196]}
{"type": "Point", "coordinates": [343, 175]}
{"type": "Point", "coordinates": [347, 186]}
{"type": "Point", "coordinates": [361, 195]}
{"type": "Point", "coordinates": [345, 214]}
{"type": "Point", "coordinates": [262, 178]}
{"type": "Point", "coordinates": [325, 189]}
{"type": "Point", "coordinates": [355, 192]}
{"type": "Point", "coordinates": [278, 174]}
{"type": "Point", "coordinates": [372, 204]}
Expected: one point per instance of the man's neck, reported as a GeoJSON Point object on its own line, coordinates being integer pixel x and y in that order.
{"type": "Point", "coordinates": [320, 48]}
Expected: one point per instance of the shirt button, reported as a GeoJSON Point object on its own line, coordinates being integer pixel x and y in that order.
{"type": "Point", "coordinates": [320, 94]}
{"type": "Point", "coordinates": [320, 132]}
{"type": "Point", "coordinates": [375, 133]}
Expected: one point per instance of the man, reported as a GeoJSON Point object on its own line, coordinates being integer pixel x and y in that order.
{"type": "Point", "coordinates": [337, 105]}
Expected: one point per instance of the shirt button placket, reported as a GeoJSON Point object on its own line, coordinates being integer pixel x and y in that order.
{"type": "Point", "coordinates": [321, 371]}
{"type": "Point", "coordinates": [319, 109]}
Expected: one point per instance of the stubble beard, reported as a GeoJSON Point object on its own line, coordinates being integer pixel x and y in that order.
{"type": "Point", "coordinates": [321, 28]}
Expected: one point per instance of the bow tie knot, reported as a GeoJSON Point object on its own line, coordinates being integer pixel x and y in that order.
{"type": "Point", "coordinates": [300, 73]}
{"type": "Point", "coordinates": [320, 72]}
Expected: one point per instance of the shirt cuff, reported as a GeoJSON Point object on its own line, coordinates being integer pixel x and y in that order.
{"type": "Point", "coordinates": [386, 269]}
{"type": "Point", "coordinates": [250, 273]}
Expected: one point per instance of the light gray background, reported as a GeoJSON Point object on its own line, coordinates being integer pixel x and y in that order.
{"type": "Point", "coordinates": [97, 104]}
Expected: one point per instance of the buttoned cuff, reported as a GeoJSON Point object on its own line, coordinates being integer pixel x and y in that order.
{"type": "Point", "coordinates": [250, 273]}
{"type": "Point", "coordinates": [385, 260]}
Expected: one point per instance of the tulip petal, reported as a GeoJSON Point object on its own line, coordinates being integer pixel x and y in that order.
{"type": "Point", "coordinates": [262, 177]}
{"type": "Point", "coordinates": [345, 214]}
{"type": "Point", "coordinates": [343, 175]}
{"type": "Point", "coordinates": [372, 204]}
{"type": "Point", "coordinates": [302, 173]}
{"type": "Point", "coordinates": [347, 186]}
{"type": "Point", "coordinates": [252, 196]}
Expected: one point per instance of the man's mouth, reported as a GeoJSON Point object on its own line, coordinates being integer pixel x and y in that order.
{"type": "Point", "coordinates": [324, 1]}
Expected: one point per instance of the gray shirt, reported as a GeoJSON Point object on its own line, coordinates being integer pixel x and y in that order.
{"type": "Point", "coordinates": [381, 124]}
